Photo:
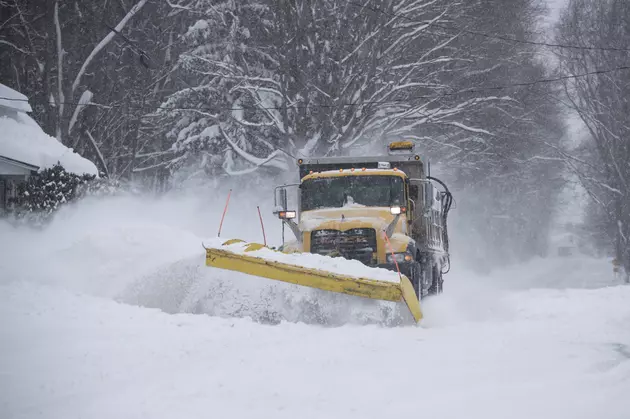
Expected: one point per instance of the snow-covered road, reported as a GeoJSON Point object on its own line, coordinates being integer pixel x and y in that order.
{"type": "Point", "coordinates": [546, 340]}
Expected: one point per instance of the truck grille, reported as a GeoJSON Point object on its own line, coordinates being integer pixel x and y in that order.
{"type": "Point", "coordinates": [357, 244]}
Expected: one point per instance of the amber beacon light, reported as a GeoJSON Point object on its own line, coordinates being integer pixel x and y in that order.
{"type": "Point", "coordinates": [401, 145]}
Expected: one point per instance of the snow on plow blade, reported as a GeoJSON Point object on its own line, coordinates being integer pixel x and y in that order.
{"type": "Point", "coordinates": [315, 271]}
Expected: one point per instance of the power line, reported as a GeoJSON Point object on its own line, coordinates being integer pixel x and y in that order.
{"type": "Point", "coordinates": [549, 80]}
{"type": "Point", "coordinates": [491, 36]}
{"type": "Point", "coordinates": [350, 104]}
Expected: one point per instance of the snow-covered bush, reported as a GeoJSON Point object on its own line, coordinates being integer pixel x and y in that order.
{"type": "Point", "coordinates": [38, 198]}
{"type": "Point", "coordinates": [47, 190]}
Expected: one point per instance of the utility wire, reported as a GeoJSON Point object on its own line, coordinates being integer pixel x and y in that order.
{"type": "Point", "coordinates": [488, 35]}
{"type": "Point", "coordinates": [543, 81]}
{"type": "Point", "coordinates": [350, 104]}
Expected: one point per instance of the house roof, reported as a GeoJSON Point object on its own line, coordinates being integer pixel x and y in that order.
{"type": "Point", "coordinates": [19, 163]}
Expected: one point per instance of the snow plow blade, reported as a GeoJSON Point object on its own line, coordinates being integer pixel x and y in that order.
{"type": "Point", "coordinates": [224, 258]}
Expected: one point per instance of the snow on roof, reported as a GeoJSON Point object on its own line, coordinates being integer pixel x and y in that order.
{"type": "Point", "coordinates": [11, 99]}
{"type": "Point", "coordinates": [23, 140]}
{"type": "Point", "coordinates": [354, 172]}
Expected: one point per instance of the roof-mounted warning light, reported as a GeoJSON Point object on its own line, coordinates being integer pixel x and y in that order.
{"type": "Point", "coordinates": [401, 145]}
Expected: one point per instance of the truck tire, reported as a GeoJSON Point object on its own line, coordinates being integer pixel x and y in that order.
{"type": "Point", "coordinates": [415, 276]}
{"type": "Point", "coordinates": [438, 283]}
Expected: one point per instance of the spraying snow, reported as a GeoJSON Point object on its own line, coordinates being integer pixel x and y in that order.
{"type": "Point", "coordinates": [149, 253]}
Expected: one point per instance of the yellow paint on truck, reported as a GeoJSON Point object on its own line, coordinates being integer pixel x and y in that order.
{"type": "Point", "coordinates": [368, 217]}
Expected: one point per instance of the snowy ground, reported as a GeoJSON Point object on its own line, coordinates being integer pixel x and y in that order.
{"type": "Point", "coordinates": [547, 340]}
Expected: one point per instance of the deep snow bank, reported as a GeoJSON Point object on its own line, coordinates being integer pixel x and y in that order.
{"type": "Point", "coordinates": [96, 246]}
{"type": "Point", "coordinates": [97, 240]}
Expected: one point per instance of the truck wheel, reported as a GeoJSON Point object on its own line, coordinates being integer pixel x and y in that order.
{"type": "Point", "coordinates": [437, 285]}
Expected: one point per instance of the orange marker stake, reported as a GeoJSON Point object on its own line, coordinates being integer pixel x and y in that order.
{"type": "Point", "coordinates": [224, 211]}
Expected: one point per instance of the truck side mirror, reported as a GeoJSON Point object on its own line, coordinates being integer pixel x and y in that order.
{"type": "Point", "coordinates": [281, 205]}
{"type": "Point", "coordinates": [283, 198]}
{"type": "Point", "coordinates": [280, 200]}
{"type": "Point", "coordinates": [413, 192]}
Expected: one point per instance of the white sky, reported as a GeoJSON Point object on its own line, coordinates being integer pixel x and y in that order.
{"type": "Point", "coordinates": [549, 20]}
{"type": "Point", "coordinates": [555, 6]}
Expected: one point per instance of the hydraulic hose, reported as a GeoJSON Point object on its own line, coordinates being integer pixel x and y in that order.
{"type": "Point", "coordinates": [447, 202]}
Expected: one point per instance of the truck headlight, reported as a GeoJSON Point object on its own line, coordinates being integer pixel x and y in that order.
{"type": "Point", "coordinates": [397, 210]}
{"type": "Point", "coordinates": [286, 215]}
{"type": "Point", "coordinates": [399, 257]}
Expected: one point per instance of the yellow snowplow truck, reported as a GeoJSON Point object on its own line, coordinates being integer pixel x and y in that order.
{"type": "Point", "coordinates": [386, 212]}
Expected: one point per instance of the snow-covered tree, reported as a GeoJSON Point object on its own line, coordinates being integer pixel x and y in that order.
{"type": "Point", "coordinates": [601, 102]}
{"type": "Point", "coordinates": [274, 79]}
{"type": "Point", "coordinates": [508, 172]}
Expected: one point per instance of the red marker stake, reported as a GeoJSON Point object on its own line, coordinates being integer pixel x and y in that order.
{"type": "Point", "coordinates": [262, 226]}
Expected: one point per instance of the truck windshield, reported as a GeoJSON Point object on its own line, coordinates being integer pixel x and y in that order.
{"type": "Point", "coordinates": [336, 192]}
